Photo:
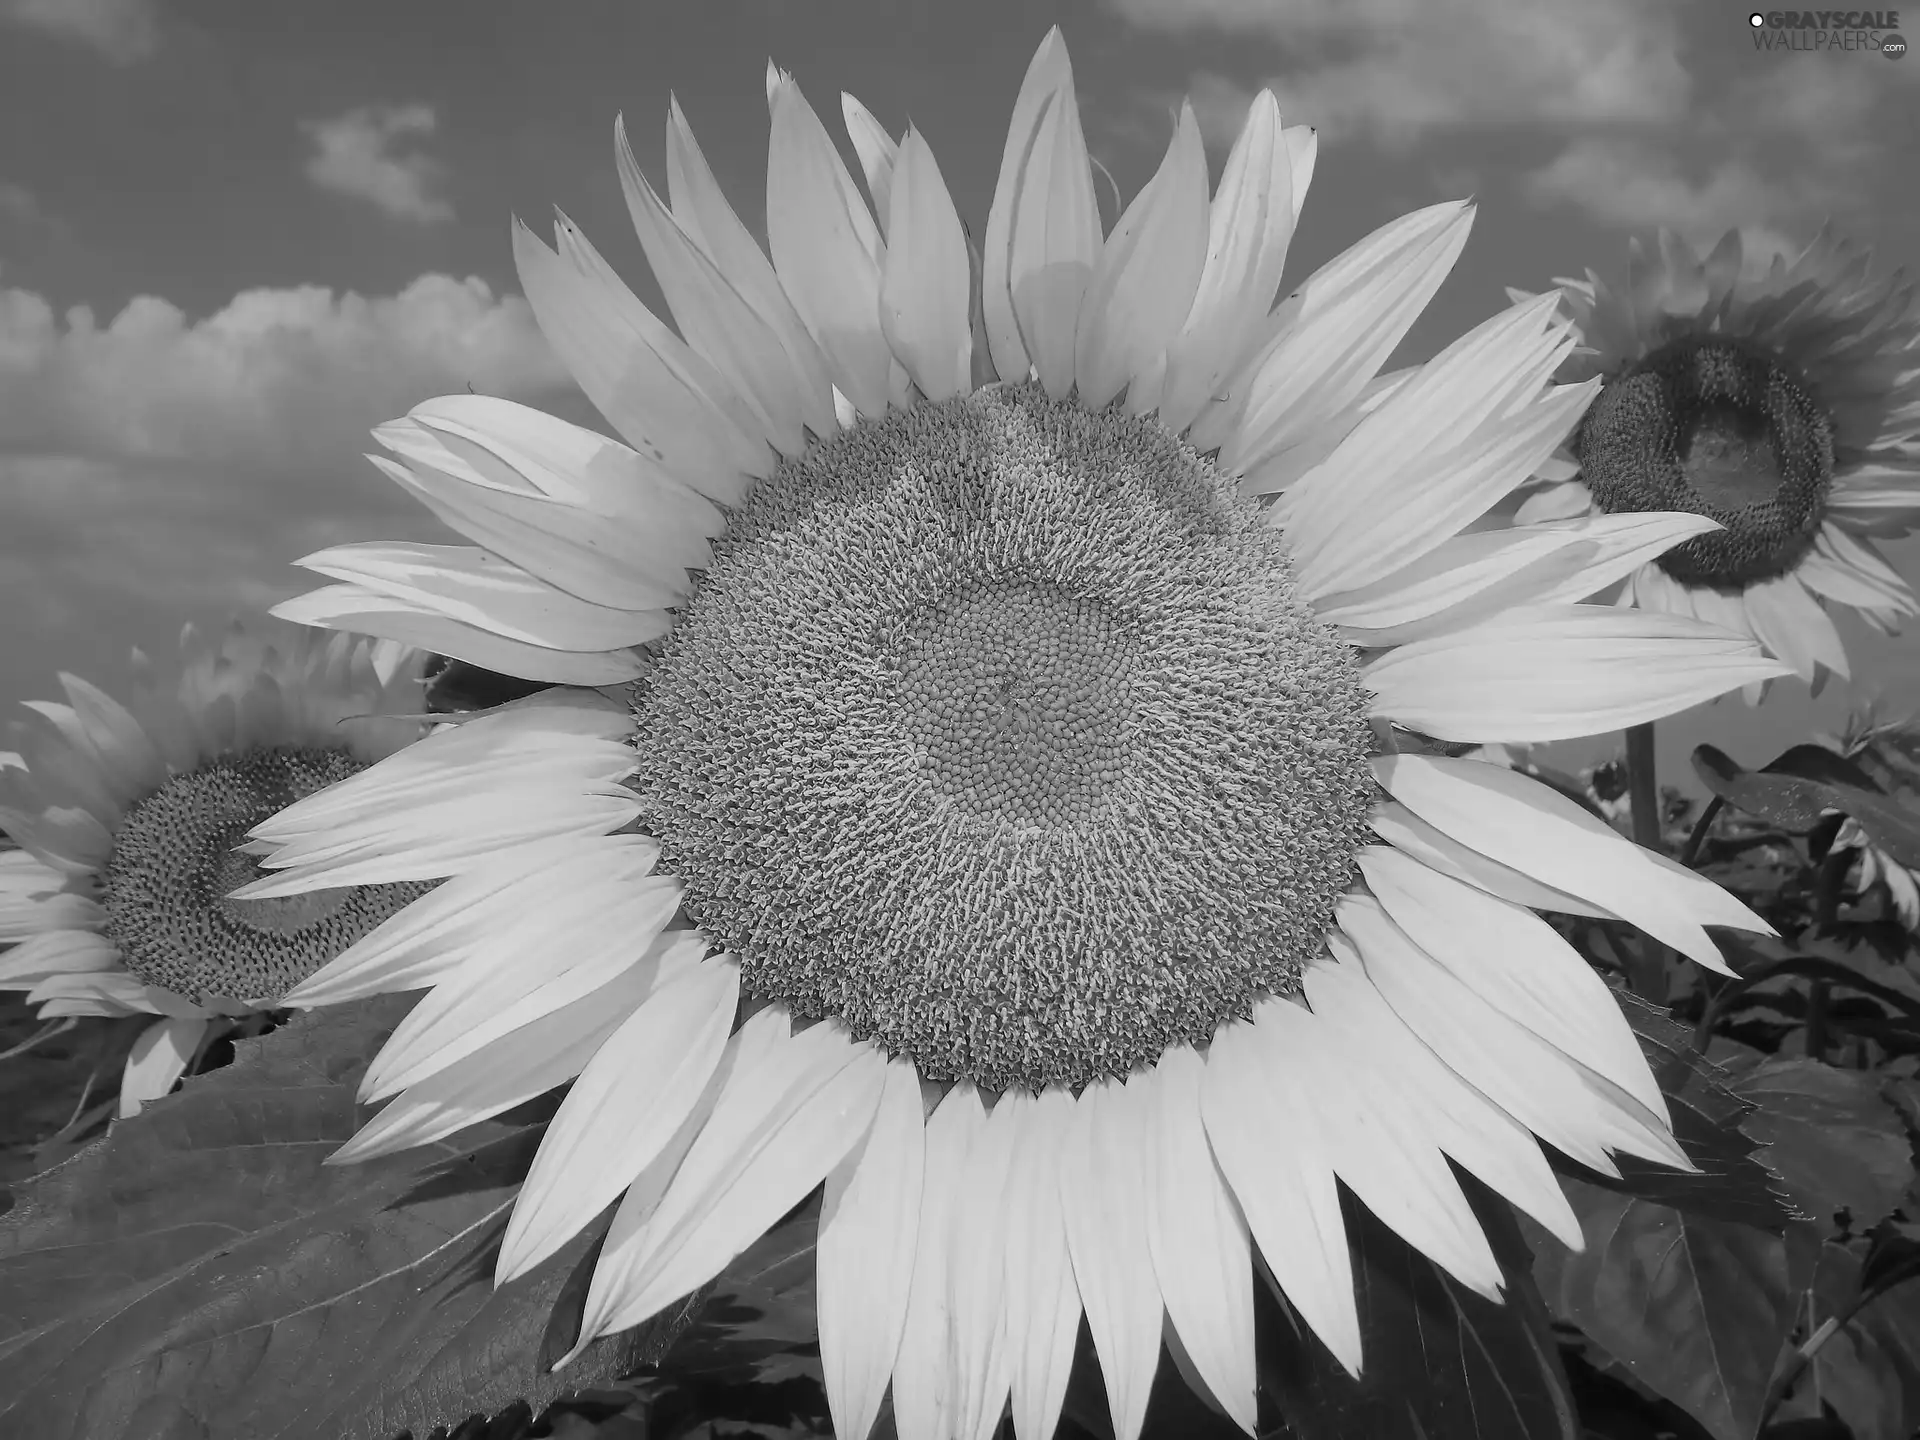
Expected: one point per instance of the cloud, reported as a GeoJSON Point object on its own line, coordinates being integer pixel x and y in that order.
{"type": "Point", "coordinates": [20, 207]}
{"type": "Point", "coordinates": [1399, 69]}
{"type": "Point", "coordinates": [354, 155]}
{"type": "Point", "coordinates": [1790, 144]}
{"type": "Point", "coordinates": [125, 31]}
{"type": "Point", "coordinates": [158, 467]}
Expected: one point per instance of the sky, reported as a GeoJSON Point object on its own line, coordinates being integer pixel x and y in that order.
{"type": "Point", "coordinates": [234, 236]}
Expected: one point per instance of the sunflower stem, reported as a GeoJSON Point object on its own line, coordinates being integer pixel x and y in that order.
{"type": "Point", "coordinates": [1643, 796]}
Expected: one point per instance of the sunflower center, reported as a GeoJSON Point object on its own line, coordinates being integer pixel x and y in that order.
{"type": "Point", "coordinates": [1719, 427]}
{"type": "Point", "coordinates": [165, 887]}
{"type": "Point", "coordinates": [996, 731]}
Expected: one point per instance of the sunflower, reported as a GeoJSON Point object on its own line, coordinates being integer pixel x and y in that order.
{"type": "Point", "coordinates": [1014, 820]}
{"type": "Point", "coordinates": [1785, 406]}
{"type": "Point", "coordinates": [128, 817]}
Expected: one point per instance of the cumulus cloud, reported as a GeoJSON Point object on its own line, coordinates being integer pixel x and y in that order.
{"type": "Point", "coordinates": [273, 372]}
{"type": "Point", "coordinates": [357, 154]}
{"type": "Point", "coordinates": [1397, 70]}
{"type": "Point", "coordinates": [159, 467]}
{"type": "Point", "coordinates": [124, 31]}
{"type": "Point", "coordinates": [1790, 145]}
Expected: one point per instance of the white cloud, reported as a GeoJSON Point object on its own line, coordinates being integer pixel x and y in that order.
{"type": "Point", "coordinates": [354, 154]}
{"type": "Point", "coordinates": [1398, 69]}
{"type": "Point", "coordinates": [122, 30]}
{"type": "Point", "coordinates": [274, 371]}
{"type": "Point", "coordinates": [157, 467]}
{"type": "Point", "coordinates": [1791, 144]}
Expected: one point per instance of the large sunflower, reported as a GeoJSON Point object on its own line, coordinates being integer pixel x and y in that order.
{"type": "Point", "coordinates": [1785, 406]}
{"type": "Point", "coordinates": [1069, 898]}
{"type": "Point", "coordinates": [128, 816]}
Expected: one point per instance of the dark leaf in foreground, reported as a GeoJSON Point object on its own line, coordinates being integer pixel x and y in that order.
{"type": "Point", "coordinates": [1830, 1137]}
{"type": "Point", "coordinates": [1441, 1363]}
{"type": "Point", "coordinates": [1794, 791]}
{"type": "Point", "coordinates": [1868, 1369]}
{"type": "Point", "coordinates": [200, 1272]}
{"type": "Point", "coordinates": [1697, 1309]}
{"type": "Point", "coordinates": [1733, 1184]}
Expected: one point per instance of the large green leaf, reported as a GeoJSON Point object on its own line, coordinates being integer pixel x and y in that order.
{"type": "Point", "coordinates": [1440, 1362]}
{"type": "Point", "coordinates": [1798, 788]}
{"type": "Point", "coordinates": [200, 1272]}
{"type": "Point", "coordinates": [1868, 1369]}
{"type": "Point", "coordinates": [1830, 1137]}
{"type": "Point", "coordinates": [1696, 1308]}
{"type": "Point", "coordinates": [1732, 1184]}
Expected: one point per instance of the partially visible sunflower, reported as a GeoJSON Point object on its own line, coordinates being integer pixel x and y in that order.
{"type": "Point", "coordinates": [1785, 406]}
{"type": "Point", "coordinates": [1072, 896]}
{"type": "Point", "coordinates": [129, 817]}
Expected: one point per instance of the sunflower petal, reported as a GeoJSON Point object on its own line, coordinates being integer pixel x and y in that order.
{"type": "Point", "coordinates": [869, 1230]}
{"type": "Point", "coordinates": [630, 1099]}
{"type": "Point", "coordinates": [1198, 1239]}
{"type": "Point", "coordinates": [479, 589]}
{"type": "Point", "coordinates": [826, 250]}
{"type": "Point", "coordinates": [1144, 281]}
{"type": "Point", "coordinates": [776, 1131]}
{"type": "Point", "coordinates": [878, 156]}
{"type": "Point", "coordinates": [1048, 74]}
{"type": "Point", "coordinates": [1103, 1199]}
{"type": "Point", "coordinates": [1250, 226]}
{"type": "Point", "coordinates": [159, 1057]}
{"type": "Point", "coordinates": [1530, 828]}
{"type": "Point", "coordinates": [425, 623]}
{"type": "Point", "coordinates": [1279, 1166]}
{"type": "Point", "coordinates": [925, 302]}
{"type": "Point", "coordinates": [1042, 1301]}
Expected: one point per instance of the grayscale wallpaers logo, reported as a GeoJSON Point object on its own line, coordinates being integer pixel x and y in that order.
{"type": "Point", "coordinates": [1785, 30]}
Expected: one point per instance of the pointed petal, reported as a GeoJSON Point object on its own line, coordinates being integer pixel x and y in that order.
{"type": "Point", "coordinates": [1464, 1122]}
{"type": "Point", "coordinates": [710, 222]}
{"type": "Point", "coordinates": [159, 1057]}
{"type": "Point", "coordinates": [1054, 240]}
{"type": "Point", "coordinates": [1440, 852]}
{"type": "Point", "coordinates": [1198, 1237]}
{"type": "Point", "coordinates": [1566, 1103]}
{"type": "Point", "coordinates": [877, 153]}
{"type": "Point", "coordinates": [869, 1229]}
{"type": "Point", "coordinates": [786, 395]}
{"type": "Point", "coordinates": [479, 589]}
{"type": "Point", "coordinates": [126, 755]}
{"type": "Point", "coordinates": [1104, 1202]}
{"type": "Point", "coordinates": [1793, 626]}
{"type": "Point", "coordinates": [1280, 1167]}
{"type": "Point", "coordinates": [826, 250]}
{"type": "Point", "coordinates": [630, 1099]}
{"type": "Point", "coordinates": [662, 397]}
{"type": "Point", "coordinates": [1530, 828]}
{"type": "Point", "coordinates": [776, 1131]}
{"type": "Point", "coordinates": [925, 304]}
{"type": "Point", "coordinates": [1353, 311]}
{"type": "Point", "coordinates": [1042, 1301]}
{"type": "Point", "coordinates": [57, 952]}
{"type": "Point", "coordinates": [1554, 672]}
{"type": "Point", "coordinates": [424, 622]}
{"type": "Point", "coordinates": [1143, 284]}
{"type": "Point", "coordinates": [476, 1005]}
{"type": "Point", "coordinates": [1249, 228]}
{"type": "Point", "coordinates": [952, 1372]}
{"type": "Point", "coordinates": [532, 1060]}
{"type": "Point", "coordinates": [1476, 576]}
{"type": "Point", "coordinates": [1049, 74]}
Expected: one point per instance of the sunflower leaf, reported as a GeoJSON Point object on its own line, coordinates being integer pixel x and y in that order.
{"type": "Point", "coordinates": [1796, 790]}
{"type": "Point", "coordinates": [200, 1272]}
{"type": "Point", "coordinates": [1441, 1363]}
{"type": "Point", "coordinates": [1696, 1309]}
{"type": "Point", "coordinates": [1733, 1183]}
{"type": "Point", "coordinates": [1868, 1368]}
{"type": "Point", "coordinates": [1830, 1137]}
